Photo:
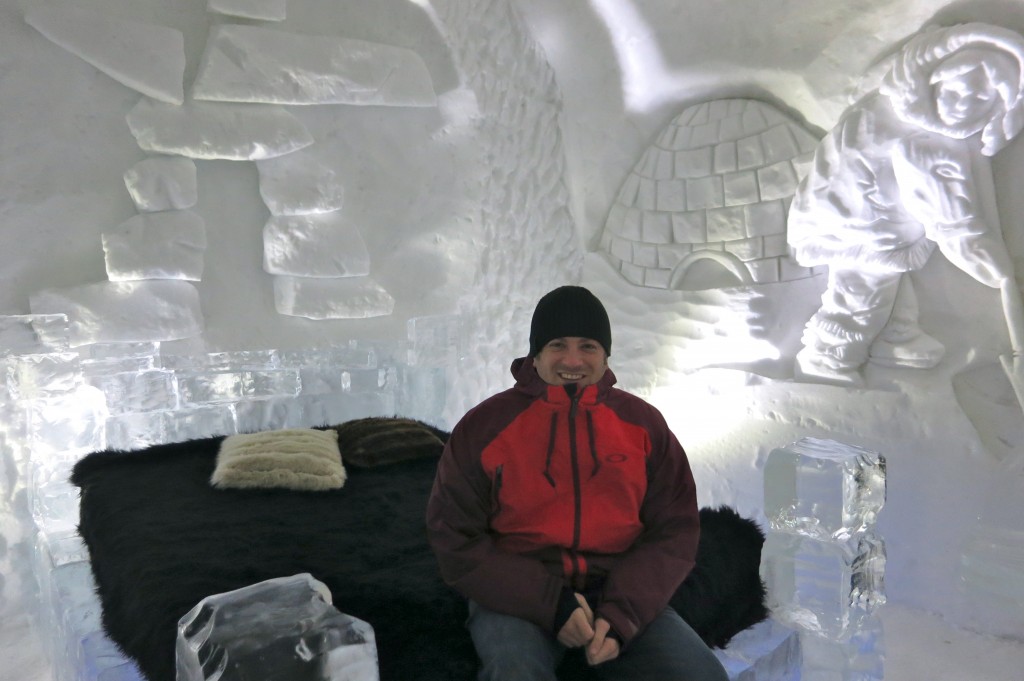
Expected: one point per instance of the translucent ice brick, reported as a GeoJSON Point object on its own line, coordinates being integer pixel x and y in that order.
{"type": "Point", "coordinates": [270, 414]}
{"type": "Point", "coordinates": [279, 629]}
{"type": "Point", "coordinates": [340, 407]}
{"type": "Point", "coordinates": [323, 370]}
{"type": "Point", "coordinates": [128, 392]}
{"type": "Point", "coordinates": [214, 386]}
{"type": "Point", "coordinates": [242, 359]}
{"type": "Point", "coordinates": [72, 421]}
{"type": "Point", "coordinates": [434, 341]}
{"type": "Point", "coordinates": [53, 500]}
{"type": "Point", "coordinates": [823, 489]}
{"type": "Point", "coordinates": [137, 430]}
{"type": "Point", "coordinates": [271, 383]}
{"type": "Point", "coordinates": [29, 334]}
{"type": "Point", "coordinates": [108, 358]}
{"type": "Point", "coordinates": [422, 392]}
{"type": "Point", "coordinates": [43, 375]}
{"type": "Point", "coordinates": [348, 356]}
{"type": "Point", "coordinates": [826, 587]}
{"type": "Point", "coordinates": [201, 421]}
{"type": "Point", "coordinates": [98, 659]}
{"type": "Point", "coordinates": [363, 380]}
{"type": "Point", "coordinates": [231, 386]}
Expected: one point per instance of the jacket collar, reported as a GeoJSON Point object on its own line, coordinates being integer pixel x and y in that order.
{"type": "Point", "coordinates": [530, 382]}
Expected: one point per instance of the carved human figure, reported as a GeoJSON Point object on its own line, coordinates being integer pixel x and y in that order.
{"type": "Point", "coordinates": [903, 172]}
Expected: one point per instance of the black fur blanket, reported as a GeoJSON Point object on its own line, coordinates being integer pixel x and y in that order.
{"type": "Point", "coordinates": [161, 539]}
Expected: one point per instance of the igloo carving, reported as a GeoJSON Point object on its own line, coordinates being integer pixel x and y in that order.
{"type": "Point", "coordinates": [706, 204]}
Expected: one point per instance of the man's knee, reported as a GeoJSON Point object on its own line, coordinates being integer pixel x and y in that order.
{"type": "Point", "coordinates": [511, 649]}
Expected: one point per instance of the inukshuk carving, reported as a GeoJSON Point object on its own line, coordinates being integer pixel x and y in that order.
{"type": "Point", "coordinates": [904, 171]}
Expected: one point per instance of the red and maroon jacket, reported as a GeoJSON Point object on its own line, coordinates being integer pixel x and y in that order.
{"type": "Point", "coordinates": [539, 490]}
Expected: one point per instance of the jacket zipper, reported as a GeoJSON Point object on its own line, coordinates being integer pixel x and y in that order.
{"type": "Point", "coordinates": [577, 492]}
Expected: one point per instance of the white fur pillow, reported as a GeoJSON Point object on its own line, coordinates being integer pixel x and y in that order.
{"type": "Point", "coordinates": [298, 458]}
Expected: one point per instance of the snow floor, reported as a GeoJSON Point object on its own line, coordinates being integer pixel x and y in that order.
{"type": "Point", "coordinates": [920, 647]}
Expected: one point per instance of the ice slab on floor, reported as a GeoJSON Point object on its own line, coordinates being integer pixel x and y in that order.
{"type": "Point", "coordinates": [256, 64]}
{"type": "Point", "coordinates": [823, 488]}
{"type": "Point", "coordinates": [69, 610]}
{"type": "Point", "coordinates": [126, 311]}
{"type": "Point", "coordinates": [164, 245]}
{"type": "Point", "coordinates": [342, 298]}
{"type": "Point", "coordinates": [265, 10]}
{"type": "Point", "coordinates": [144, 57]}
{"type": "Point", "coordinates": [827, 587]}
{"type": "Point", "coordinates": [162, 183]}
{"type": "Point", "coordinates": [861, 657]}
{"type": "Point", "coordinates": [208, 130]}
{"type": "Point", "coordinates": [299, 184]}
{"type": "Point", "coordinates": [326, 245]}
{"type": "Point", "coordinates": [768, 651]}
{"type": "Point", "coordinates": [276, 629]}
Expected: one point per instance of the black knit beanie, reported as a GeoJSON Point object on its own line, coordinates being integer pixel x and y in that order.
{"type": "Point", "coordinates": [569, 311]}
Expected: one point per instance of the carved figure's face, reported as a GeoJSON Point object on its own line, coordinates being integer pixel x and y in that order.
{"type": "Point", "coordinates": [571, 360]}
{"type": "Point", "coordinates": [965, 100]}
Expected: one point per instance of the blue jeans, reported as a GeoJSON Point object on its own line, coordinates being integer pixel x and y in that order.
{"type": "Point", "coordinates": [512, 649]}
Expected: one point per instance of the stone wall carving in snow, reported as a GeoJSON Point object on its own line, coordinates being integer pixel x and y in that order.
{"type": "Point", "coordinates": [263, 10]}
{"type": "Point", "coordinates": [217, 130]}
{"type": "Point", "coordinates": [245, 72]}
{"type": "Point", "coordinates": [162, 183]}
{"type": "Point", "coordinates": [164, 245]}
{"type": "Point", "coordinates": [255, 64]}
{"type": "Point", "coordinates": [705, 206]}
{"type": "Point", "coordinates": [125, 311]}
{"type": "Point", "coordinates": [147, 58]}
{"type": "Point", "coordinates": [903, 172]}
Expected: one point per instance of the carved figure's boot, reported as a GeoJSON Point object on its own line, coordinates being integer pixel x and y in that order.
{"type": "Point", "coordinates": [920, 352]}
{"type": "Point", "coordinates": [901, 342]}
{"type": "Point", "coordinates": [813, 367]}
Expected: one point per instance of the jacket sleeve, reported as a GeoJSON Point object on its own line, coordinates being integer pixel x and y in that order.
{"type": "Point", "coordinates": [469, 560]}
{"type": "Point", "coordinates": [640, 584]}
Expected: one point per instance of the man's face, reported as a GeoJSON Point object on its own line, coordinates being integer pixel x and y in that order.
{"type": "Point", "coordinates": [965, 100]}
{"type": "Point", "coordinates": [571, 360]}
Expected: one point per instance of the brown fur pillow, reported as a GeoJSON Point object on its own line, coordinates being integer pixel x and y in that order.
{"type": "Point", "coordinates": [381, 440]}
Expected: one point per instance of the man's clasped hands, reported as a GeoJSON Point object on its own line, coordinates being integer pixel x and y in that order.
{"type": "Point", "coordinates": [582, 630]}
